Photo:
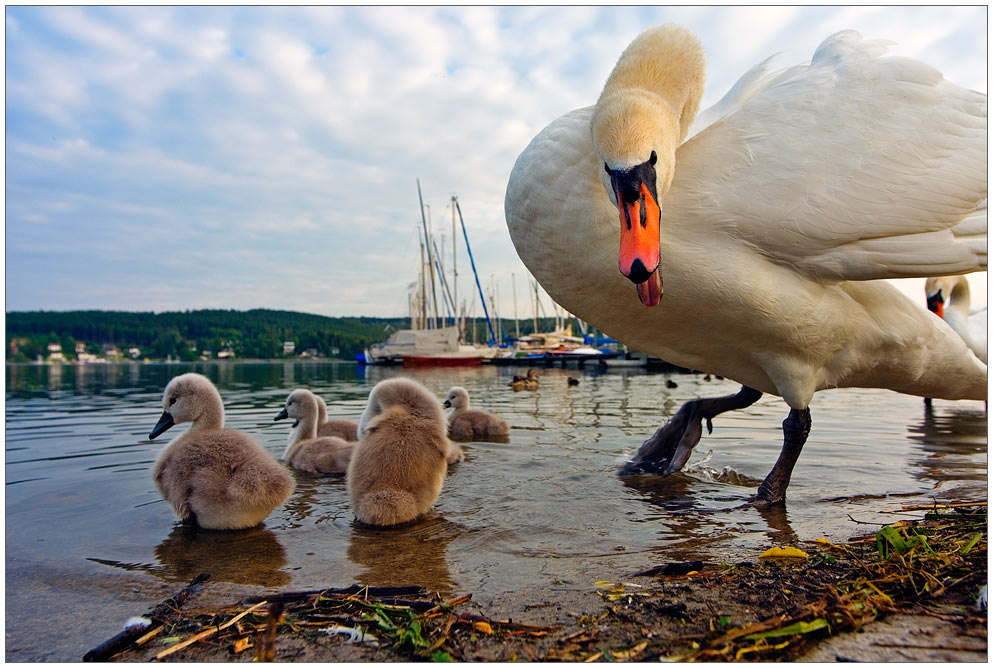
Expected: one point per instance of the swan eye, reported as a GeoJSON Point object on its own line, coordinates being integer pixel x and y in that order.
{"type": "Point", "coordinates": [653, 158]}
{"type": "Point", "coordinates": [172, 401]}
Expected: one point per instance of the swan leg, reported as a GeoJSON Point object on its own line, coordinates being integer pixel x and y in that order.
{"type": "Point", "coordinates": [796, 427]}
{"type": "Point", "coordinates": [668, 449]}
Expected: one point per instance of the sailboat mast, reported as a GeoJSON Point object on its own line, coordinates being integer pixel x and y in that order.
{"type": "Point", "coordinates": [517, 322]}
{"type": "Point", "coordinates": [535, 306]}
{"type": "Point", "coordinates": [472, 262]}
{"type": "Point", "coordinates": [427, 243]}
{"type": "Point", "coordinates": [424, 315]}
{"type": "Point", "coordinates": [455, 266]}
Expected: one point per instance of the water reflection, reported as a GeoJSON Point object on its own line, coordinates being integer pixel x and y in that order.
{"type": "Point", "coordinates": [317, 499]}
{"type": "Point", "coordinates": [693, 525]}
{"type": "Point", "coordinates": [247, 556]}
{"type": "Point", "coordinates": [407, 555]}
{"type": "Point", "coordinates": [545, 507]}
{"type": "Point", "coordinates": [689, 526]}
{"type": "Point", "coordinates": [950, 438]}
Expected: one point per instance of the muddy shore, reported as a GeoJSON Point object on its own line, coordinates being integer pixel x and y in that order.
{"type": "Point", "coordinates": [906, 592]}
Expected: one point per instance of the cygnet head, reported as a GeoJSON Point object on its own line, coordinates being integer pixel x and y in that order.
{"type": "Point", "coordinates": [457, 398]}
{"type": "Point", "coordinates": [190, 398]}
{"type": "Point", "coordinates": [301, 403]}
{"type": "Point", "coordinates": [412, 396]}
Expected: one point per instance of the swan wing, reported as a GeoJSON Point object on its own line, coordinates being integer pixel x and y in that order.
{"type": "Point", "coordinates": [854, 167]}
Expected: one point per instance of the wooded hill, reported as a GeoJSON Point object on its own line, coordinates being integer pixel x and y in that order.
{"type": "Point", "coordinates": [258, 333]}
{"type": "Point", "coordinates": [190, 335]}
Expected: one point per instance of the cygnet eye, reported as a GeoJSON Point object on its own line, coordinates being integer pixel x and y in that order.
{"type": "Point", "coordinates": [172, 401]}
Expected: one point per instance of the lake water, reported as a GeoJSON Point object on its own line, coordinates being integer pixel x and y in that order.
{"type": "Point", "coordinates": [89, 541]}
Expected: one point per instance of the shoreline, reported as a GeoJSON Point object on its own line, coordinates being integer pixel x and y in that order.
{"type": "Point", "coordinates": [822, 606]}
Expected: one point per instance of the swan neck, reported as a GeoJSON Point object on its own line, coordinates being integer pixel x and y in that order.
{"type": "Point", "coordinates": [211, 416]}
{"type": "Point", "coordinates": [959, 298]}
{"type": "Point", "coordinates": [669, 65]}
{"type": "Point", "coordinates": [307, 429]}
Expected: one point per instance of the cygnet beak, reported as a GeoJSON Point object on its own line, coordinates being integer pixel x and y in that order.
{"type": "Point", "coordinates": [164, 423]}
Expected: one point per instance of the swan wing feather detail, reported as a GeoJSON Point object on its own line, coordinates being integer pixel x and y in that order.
{"type": "Point", "coordinates": [855, 167]}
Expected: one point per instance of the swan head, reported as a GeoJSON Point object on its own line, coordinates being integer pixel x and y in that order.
{"type": "Point", "coordinates": [457, 398]}
{"type": "Point", "coordinates": [187, 398]}
{"type": "Point", "coordinates": [643, 114]}
{"type": "Point", "coordinates": [299, 404]}
{"type": "Point", "coordinates": [943, 291]}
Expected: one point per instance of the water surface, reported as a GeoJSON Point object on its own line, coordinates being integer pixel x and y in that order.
{"type": "Point", "coordinates": [89, 541]}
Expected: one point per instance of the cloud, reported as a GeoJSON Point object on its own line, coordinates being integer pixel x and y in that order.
{"type": "Point", "coordinates": [183, 157]}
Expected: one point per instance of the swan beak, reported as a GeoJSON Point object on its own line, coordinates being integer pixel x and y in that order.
{"type": "Point", "coordinates": [281, 416]}
{"type": "Point", "coordinates": [641, 244]}
{"type": "Point", "coordinates": [936, 304]}
{"type": "Point", "coordinates": [447, 404]}
{"type": "Point", "coordinates": [164, 423]}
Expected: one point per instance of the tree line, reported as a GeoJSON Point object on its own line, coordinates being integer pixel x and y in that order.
{"type": "Point", "coordinates": [191, 335]}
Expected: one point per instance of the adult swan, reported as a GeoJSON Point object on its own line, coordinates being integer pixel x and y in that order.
{"type": "Point", "coordinates": [754, 242]}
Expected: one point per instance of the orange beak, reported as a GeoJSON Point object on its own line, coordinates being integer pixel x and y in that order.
{"type": "Point", "coordinates": [936, 304]}
{"type": "Point", "coordinates": [641, 245]}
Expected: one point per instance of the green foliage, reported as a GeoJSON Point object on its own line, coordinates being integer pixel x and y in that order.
{"type": "Point", "coordinates": [891, 540]}
{"type": "Point", "coordinates": [253, 334]}
{"type": "Point", "coordinates": [257, 333]}
{"type": "Point", "coordinates": [797, 628]}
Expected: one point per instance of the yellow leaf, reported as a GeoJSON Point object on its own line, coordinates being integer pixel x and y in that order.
{"type": "Point", "coordinates": [783, 552]}
{"type": "Point", "coordinates": [241, 644]}
{"type": "Point", "coordinates": [629, 654]}
{"type": "Point", "coordinates": [483, 627]}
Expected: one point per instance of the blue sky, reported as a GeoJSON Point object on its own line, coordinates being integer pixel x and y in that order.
{"type": "Point", "coordinates": [170, 158]}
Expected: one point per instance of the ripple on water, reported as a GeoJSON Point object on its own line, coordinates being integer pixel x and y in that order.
{"type": "Point", "coordinates": [545, 509]}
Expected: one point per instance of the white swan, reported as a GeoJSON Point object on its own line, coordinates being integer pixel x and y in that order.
{"type": "Point", "coordinates": [767, 226]}
{"type": "Point", "coordinates": [306, 450]}
{"type": "Point", "coordinates": [220, 478]}
{"type": "Point", "coordinates": [948, 297]}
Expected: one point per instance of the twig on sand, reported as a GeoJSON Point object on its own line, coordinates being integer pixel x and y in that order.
{"type": "Point", "coordinates": [209, 632]}
{"type": "Point", "coordinates": [133, 634]}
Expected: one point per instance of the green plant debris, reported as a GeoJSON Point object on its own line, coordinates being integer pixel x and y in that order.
{"type": "Point", "coordinates": [799, 628]}
{"type": "Point", "coordinates": [774, 610]}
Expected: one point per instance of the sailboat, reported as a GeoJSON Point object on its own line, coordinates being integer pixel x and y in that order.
{"type": "Point", "coordinates": [429, 342]}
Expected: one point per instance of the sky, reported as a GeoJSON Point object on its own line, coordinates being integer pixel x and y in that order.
{"type": "Point", "coordinates": [173, 158]}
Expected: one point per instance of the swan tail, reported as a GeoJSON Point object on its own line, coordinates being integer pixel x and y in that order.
{"type": "Point", "coordinates": [384, 507]}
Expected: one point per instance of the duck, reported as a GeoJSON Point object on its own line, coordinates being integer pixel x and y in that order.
{"type": "Point", "coordinates": [400, 463]}
{"type": "Point", "coordinates": [466, 424]}
{"type": "Point", "coordinates": [528, 382]}
{"type": "Point", "coordinates": [347, 430]}
{"type": "Point", "coordinates": [572, 382]}
{"type": "Point", "coordinates": [773, 223]}
{"type": "Point", "coordinates": [948, 298]}
{"type": "Point", "coordinates": [215, 477]}
{"type": "Point", "coordinates": [306, 450]}
{"type": "Point", "coordinates": [671, 384]}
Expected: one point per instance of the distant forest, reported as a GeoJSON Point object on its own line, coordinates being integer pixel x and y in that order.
{"type": "Point", "coordinates": [192, 335]}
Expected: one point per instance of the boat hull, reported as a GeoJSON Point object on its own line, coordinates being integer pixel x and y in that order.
{"type": "Point", "coordinates": [416, 361]}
